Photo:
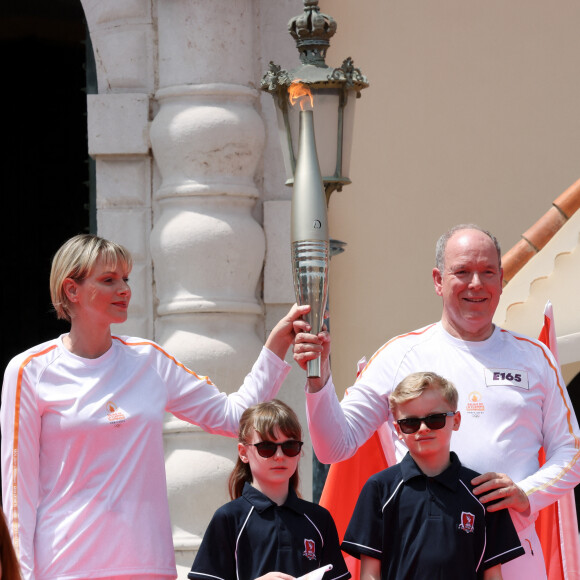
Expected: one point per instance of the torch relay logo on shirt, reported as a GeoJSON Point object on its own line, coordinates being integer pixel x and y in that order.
{"type": "Point", "coordinates": [475, 406]}
{"type": "Point", "coordinates": [115, 416]}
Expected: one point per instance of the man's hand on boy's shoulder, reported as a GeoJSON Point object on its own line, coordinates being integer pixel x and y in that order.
{"type": "Point", "coordinates": [498, 491]}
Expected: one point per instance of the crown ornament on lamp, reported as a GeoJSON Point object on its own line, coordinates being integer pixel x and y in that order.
{"type": "Point", "coordinates": [314, 172]}
{"type": "Point", "coordinates": [334, 93]}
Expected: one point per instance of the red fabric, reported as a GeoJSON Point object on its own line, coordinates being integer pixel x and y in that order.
{"type": "Point", "coordinates": [548, 530]}
{"type": "Point", "coordinates": [343, 485]}
{"type": "Point", "coordinates": [548, 522]}
{"type": "Point", "coordinates": [545, 332]}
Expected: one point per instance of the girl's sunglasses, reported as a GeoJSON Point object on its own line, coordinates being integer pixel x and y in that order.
{"type": "Point", "coordinates": [433, 422]}
{"type": "Point", "coordinates": [268, 448]}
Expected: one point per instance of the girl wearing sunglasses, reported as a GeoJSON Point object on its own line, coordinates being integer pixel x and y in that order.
{"type": "Point", "coordinates": [267, 532]}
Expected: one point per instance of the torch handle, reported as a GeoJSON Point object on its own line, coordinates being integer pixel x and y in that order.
{"type": "Point", "coordinates": [310, 269]}
{"type": "Point", "coordinates": [313, 368]}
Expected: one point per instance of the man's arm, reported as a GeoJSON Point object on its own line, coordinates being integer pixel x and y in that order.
{"type": "Point", "coordinates": [561, 471]}
{"type": "Point", "coordinates": [561, 442]}
{"type": "Point", "coordinates": [339, 429]}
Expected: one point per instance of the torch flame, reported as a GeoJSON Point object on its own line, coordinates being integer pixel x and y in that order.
{"type": "Point", "coordinates": [299, 92]}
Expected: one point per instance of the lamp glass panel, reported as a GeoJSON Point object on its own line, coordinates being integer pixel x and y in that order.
{"type": "Point", "coordinates": [325, 114]}
{"type": "Point", "coordinates": [348, 131]}
{"type": "Point", "coordinates": [285, 143]}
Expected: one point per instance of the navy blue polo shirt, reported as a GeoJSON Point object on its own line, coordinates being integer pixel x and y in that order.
{"type": "Point", "coordinates": [429, 527]}
{"type": "Point", "coordinates": [251, 536]}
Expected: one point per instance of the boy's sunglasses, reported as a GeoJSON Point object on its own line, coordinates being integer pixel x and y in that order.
{"type": "Point", "coordinates": [268, 448]}
{"type": "Point", "coordinates": [435, 421]}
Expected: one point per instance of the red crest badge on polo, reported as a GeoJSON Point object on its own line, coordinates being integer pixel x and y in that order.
{"type": "Point", "coordinates": [467, 522]}
{"type": "Point", "coordinates": [310, 549]}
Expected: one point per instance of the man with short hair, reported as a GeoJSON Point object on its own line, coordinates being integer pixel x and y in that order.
{"type": "Point", "coordinates": [511, 394]}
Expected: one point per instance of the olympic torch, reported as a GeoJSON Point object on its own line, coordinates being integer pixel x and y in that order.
{"type": "Point", "coordinates": [309, 232]}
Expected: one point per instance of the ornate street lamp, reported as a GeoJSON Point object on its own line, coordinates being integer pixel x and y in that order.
{"type": "Point", "coordinates": [316, 149]}
{"type": "Point", "coordinates": [324, 167]}
{"type": "Point", "coordinates": [334, 92]}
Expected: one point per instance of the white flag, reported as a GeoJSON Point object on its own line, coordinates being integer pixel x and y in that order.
{"type": "Point", "coordinates": [316, 574]}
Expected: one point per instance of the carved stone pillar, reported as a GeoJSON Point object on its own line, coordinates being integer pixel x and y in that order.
{"type": "Point", "coordinates": [207, 248]}
{"type": "Point", "coordinates": [122, 34]}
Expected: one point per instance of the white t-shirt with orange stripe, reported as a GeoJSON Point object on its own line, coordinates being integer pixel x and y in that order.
{"type": "Point", "coordinates": [83, 469]}
{"type": "Point", "coordinates": [511, 396]}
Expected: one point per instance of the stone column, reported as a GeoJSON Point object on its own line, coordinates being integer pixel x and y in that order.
{"type": "Point", "coordinates": [207, 248]}
{"type": "Point", "coordinates": [122, 34]}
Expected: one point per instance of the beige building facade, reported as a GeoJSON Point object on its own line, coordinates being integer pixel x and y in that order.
{"type": "Point", "coordinates": [471, 116]}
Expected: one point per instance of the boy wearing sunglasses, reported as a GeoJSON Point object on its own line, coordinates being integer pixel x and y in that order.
{"type": "Point", "coordinates": [419, 518]}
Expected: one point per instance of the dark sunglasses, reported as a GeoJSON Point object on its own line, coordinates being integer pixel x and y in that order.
{"type": "Point", "coordinates": [268, 448]}
{"type": "Point", "coordinates": [435, 421]}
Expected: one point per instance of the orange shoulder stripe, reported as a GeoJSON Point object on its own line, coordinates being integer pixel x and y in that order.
{"type": "Point", "coordinates": [413, 333]}
{"type": "Point", "coordinates": [165, 353]}
{"type": "Point", "coordinates": [15, 518]}
{"type": "Point", "coordinates": [568, 467]}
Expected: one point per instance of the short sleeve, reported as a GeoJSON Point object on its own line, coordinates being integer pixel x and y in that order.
{"type": "Point", "coordinates": [502, 541]}
{"type": "Point", "coordinates": [364, 534]}
{"type": "Point", "coordinates": [216, 556]}
{"type": "Point", "coordinates": [332, 554]}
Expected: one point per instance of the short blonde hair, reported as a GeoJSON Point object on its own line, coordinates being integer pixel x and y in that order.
{"type": "Point", "coordinates": [415, 384]}
{"type": "Point", "coordinates": [75, 259]}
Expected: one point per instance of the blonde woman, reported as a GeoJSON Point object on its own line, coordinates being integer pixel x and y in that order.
{"type": "Point", "coordinates": [82, 415]}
